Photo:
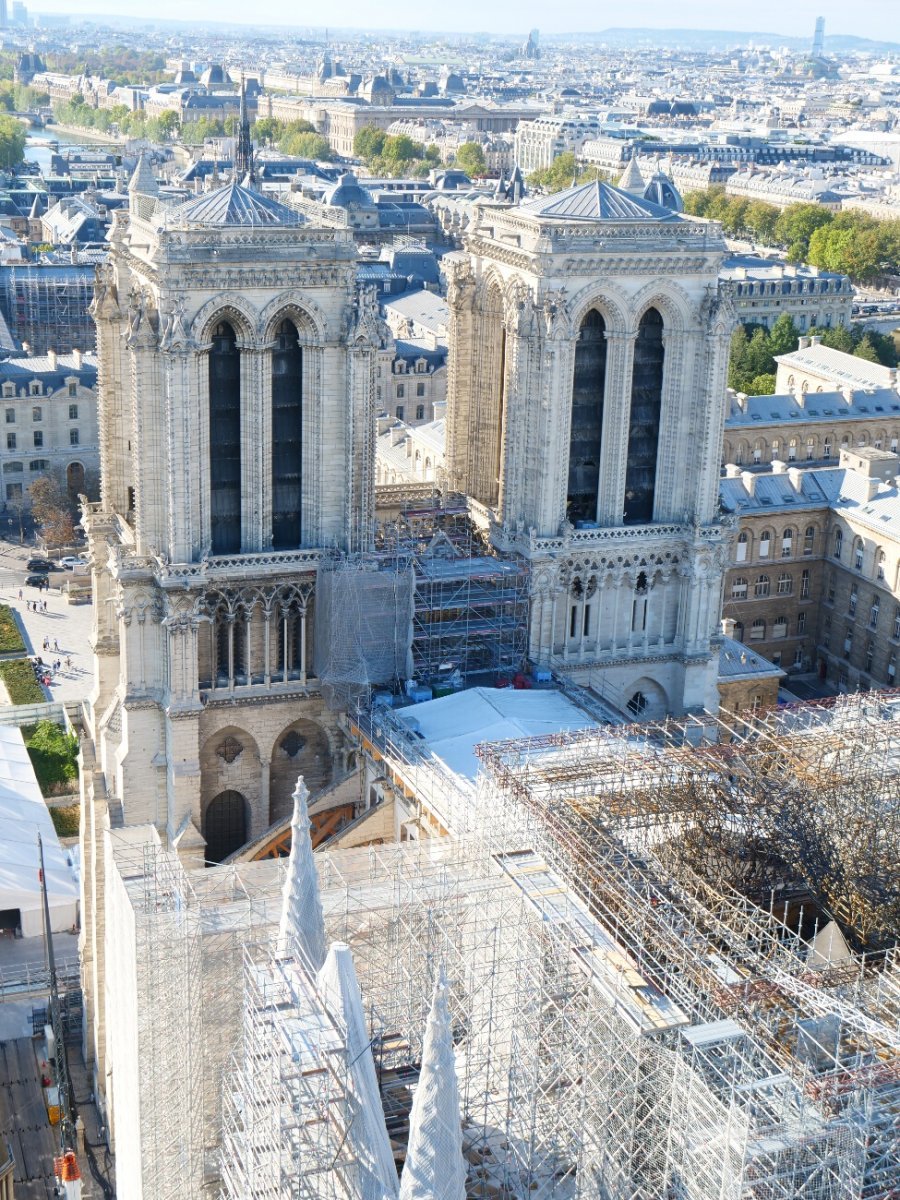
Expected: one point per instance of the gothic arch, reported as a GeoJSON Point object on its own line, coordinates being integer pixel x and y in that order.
{"type": "Point", "coordinates": [655, 700]}
{"type": "Point", "coordinates": [610, 302]}
{"type": "Point", "coordinates": [302, 748]}
{"type": "Point", "coordinates": [670, 300]}
{"type": "Point", "coordinates": [230, 763]}
{"type": "Point", "coordinates": [293, 306]}
{"type": "Point", "coordinates": [232, 308]}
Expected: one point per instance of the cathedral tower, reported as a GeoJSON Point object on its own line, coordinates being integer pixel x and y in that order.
{"type": "Point", "coordinates": [237, 367]}
{"type": "Point", "coordinates": [588, 351]}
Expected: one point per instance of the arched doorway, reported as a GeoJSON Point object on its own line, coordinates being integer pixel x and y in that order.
{"type": "Point", "coordinates": [225, 825]}
{"type": "Point", "coordinates": [75, 479]}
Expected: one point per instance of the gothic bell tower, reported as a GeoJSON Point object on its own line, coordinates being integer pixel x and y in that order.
{"type": "Point", "coordinates": [588, 351]}
{"type": "Point", "coordinates": [237, 376]}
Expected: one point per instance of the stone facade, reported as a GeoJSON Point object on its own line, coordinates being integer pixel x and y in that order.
{"type": "Point", "coordinates": [814, 581]}
{"type": "Point", "coordinates": [626, 585]}
{"type": "Point", "coordinates": [206, 705]}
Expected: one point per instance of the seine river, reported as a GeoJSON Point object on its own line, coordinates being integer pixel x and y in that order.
{"type": "Point", "coordinates": [37, 150]}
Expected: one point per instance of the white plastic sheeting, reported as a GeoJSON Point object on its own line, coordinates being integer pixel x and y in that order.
{"type": "Point", "coordinates": [454, 725]}
{"type": "Point", "coordinates": [302, 922]}
{"type": "Point", "coordinates": [435, 1168]}
{"type": "Point", "coordinates": [371, 1147]}
{"type": "Point", "coordinates": [24, 814]}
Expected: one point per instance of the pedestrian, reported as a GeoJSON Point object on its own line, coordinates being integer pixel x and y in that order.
{"type": "Point", "coordinates": [44, 644]}
{"type": "Point", "coordinates": [55, 644]}
{"type": "Point", "coordinates": [20, 593]}
{"type": "Point", "coordinates": [68, 663]}
{"type": "Point", "coordinates": [45, 606]}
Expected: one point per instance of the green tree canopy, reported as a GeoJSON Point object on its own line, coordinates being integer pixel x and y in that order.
{"type": "Point", "coordinates": [369, 142]}
{"type": "Point", "coordinates": [305, 145]}
{"type": "Point", "coordinates": [12, 142]}
{"type": "Point", "coordinates": [470, 158]}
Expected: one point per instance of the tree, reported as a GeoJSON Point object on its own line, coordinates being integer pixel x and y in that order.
{"type": "Point", "coordinates": [761, 219]}
{"type": "Point", "coordinates": [12, 142]}
{"type": "Point", "coordinates": [305, 145]}
{"type": "Point", "coordinates": [268, 129]}
{"type": "Point", "coordinates": [783, 336]}
{"type": "Point", "coordinates": [470, 158]}
{"type": "Point", "coordinates": [53, 510]}
{"type": "Point", "coordinates": [865, 349]}
{"type": "Point", "coordinates": [761, 385]}
{"type": "Point", "coordinates": [369, 142]}
{"type": "Point", "coordinates": [168, 122]}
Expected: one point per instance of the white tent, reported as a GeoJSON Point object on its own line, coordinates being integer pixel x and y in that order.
{"type": "Point", "coordinates": [24, 814]}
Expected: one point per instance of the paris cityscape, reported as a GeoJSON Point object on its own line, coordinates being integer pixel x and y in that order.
{"type": "Point", "coordinates": [450, 604]}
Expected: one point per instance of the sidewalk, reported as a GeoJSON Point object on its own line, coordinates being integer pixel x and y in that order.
{"type": "Point", "coordinates": [67, 625]}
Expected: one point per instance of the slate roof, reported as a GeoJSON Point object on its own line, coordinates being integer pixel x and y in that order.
{"type": "Point", "coordinates": [233, 205]}
{"type": "Point", "coordinates": [821, 407]}
{"type": "Point", "coordinates": [597, 201]}
{"type": "Point", "coordinates": [837, 366]}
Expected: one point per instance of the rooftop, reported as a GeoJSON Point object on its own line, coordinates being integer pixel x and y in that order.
{"type": "Point", "coordinates": [596, 201]}
{"type": "Point", "coordinates": [233, 205]}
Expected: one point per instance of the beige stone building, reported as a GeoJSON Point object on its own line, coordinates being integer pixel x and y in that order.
{"type": "Point", "coordinates": [825, 401]}
{"type": "Point", "coordinates": [814, 581]}
{"type": "Point", "coordinates": [588, 347]}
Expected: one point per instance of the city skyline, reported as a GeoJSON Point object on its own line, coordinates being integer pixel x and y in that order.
{"type": "Point", "coordinates": [769, 17]}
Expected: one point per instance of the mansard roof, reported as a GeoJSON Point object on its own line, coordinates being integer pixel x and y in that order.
{"type": "Point", "coordinates": [596, 201]}
{"type": "Point", "coordinates": [234, 204]}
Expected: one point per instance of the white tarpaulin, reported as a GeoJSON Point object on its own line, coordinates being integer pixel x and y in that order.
{"type": "Point", "coordinates": [24, 814]}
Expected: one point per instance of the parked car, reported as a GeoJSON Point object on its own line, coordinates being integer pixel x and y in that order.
{"type": "Point", "coordinates": [39, 564]}
{"type": "Point", "coordinates": [38, 581]}
{"type": "Point", "coordinates": [71, 561]}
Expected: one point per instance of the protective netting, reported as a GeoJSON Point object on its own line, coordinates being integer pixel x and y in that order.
{"type": "Point", "coordinates": [363, 629]}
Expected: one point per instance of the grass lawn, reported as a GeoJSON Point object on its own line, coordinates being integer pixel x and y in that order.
{"type": "Point", "coordinates": [65, 819]}
{"type": "Point", "coordinates": [54, 756]}
{"type": "Point", "coordinates": [23, 688]}
{"type": "Point", "coordinates": [10, 638]}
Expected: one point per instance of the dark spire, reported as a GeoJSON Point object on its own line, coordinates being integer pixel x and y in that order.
{"type": "Point", "coordinates": [243, 154]}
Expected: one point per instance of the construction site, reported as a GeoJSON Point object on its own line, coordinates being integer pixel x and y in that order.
{"type": "Point", "coordinates": [430, 605]}
{"type": "Point", "coordinates": [667, 955]}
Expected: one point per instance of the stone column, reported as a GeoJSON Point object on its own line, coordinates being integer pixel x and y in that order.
{"type": "Point", "coordinates": [265, 817]}
{"type": "Point", "coordinates": [254, 445]}
{"type": "Point", "coordinates": [616, 412]}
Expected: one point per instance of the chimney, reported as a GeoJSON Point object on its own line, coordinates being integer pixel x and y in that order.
{"type": "Point", "coordinates": [51, 354]}
{"type": "Point", "coordinates": [848, 393]}
{"type": "Point", "coordinates": [79, 358]}
{"type": "Point", "coordinates": [816, 339]}
{"type": "Point", "coordinates": [778, 467]}
{"type": "Point", "coordinates": [741, 398]}
{"type": "Point", "coordinates": [795, 475]}
{"type": "Point", "coordinates": [749, 481]}
{"type": "Point", "coordinates": [728, 626]}
{"type": "Point", "coordinates": [802, 343]}
{"type": "Point", "coordinates": [26, 347]}
{"type": "Point", "coordinates": [732, 471]}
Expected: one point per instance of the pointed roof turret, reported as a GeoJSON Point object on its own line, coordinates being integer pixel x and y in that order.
{"type": "Point", "coordinates": [371, 1144]}
{"type": "Point", "coordinates": [143, 181]}
{"type": "Point", "coordinates": [632, 180]}
{"type": "Point", "coordinates": [435, 1168]}
{"type": "Point", "coordinates": [35, 207]}
{"type": "Point", "coordinates": [301, 908]}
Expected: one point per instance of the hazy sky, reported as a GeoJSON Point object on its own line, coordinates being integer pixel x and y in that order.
{"type": "Point", "coordinates": [867, 18]}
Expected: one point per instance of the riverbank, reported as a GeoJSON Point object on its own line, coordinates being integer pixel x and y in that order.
{"type": "Point", "coordinates": [82, 135]}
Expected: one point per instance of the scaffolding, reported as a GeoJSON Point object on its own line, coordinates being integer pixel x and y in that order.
{"type": "Point", "coordinates": [625, 1026]}
{"type": "Point", "coordinates": [431, 604]}
{"type": "Point", "coordinates": [47, 306]}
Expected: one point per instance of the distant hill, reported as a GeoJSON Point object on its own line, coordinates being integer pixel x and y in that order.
{"type": "Point", "coordinates": [719, 39]}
